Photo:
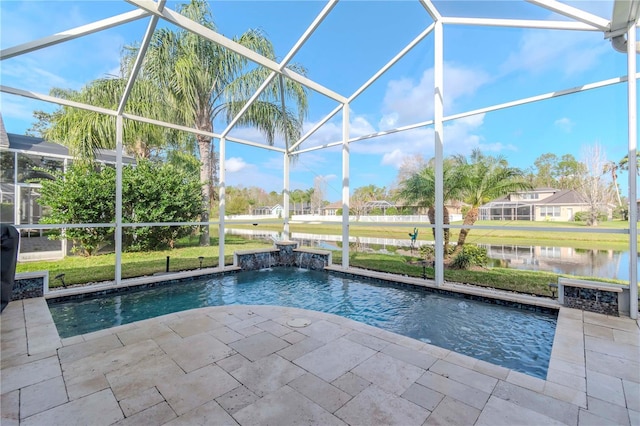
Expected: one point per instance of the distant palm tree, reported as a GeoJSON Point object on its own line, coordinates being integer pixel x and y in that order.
{"type": "Point", "coordinates": [624, 163]}
{"type": "Point", "coordinates": [297, 196]}
{"type": "Point", "coordinates": [484, 179]}
{"type": "Point", "coordinates": [204, 82]}
{"type": "Point", "coordinates": [612, 168]}
{"type": "Point", "coordinates": [308, 196]}
{"type": "Point", "coordinates": [419, 189]}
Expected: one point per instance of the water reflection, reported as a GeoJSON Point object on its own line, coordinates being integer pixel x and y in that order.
{"type": "Point", "coordinates": [562, 260]}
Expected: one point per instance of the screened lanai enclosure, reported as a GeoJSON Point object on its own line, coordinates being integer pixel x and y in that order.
{"type": "Point", "coordinates": [383, 83]}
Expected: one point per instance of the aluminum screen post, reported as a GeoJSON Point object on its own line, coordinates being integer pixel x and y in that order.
{"type": "Point", "coordinates": [222, 203]}
{"type": "Point", "coordinates": [632, 87]}
{"type": "Point", "coordinates": [118, 234]}
{"type": "Point", "coordinates": [286, 196]}
{"type": "Point", "coordinates": [438, 112]}
{"type": "Point", "coordinates": [345, 185]}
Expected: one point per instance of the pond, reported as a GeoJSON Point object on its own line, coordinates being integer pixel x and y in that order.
{"type": "Point", "coordinates": [562, 260]}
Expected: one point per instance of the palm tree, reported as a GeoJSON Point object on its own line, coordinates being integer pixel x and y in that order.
{"type": "Point", "coordinates": [84, 132]}
{"type": "Point", "coordinates": [624, 163]}
{"type": "Point", "coordinates": [204, 82]}
{"type": "Point", "coordinates": [612, 167]}
{"type": "Point", "coordinates": [419, 189]}
{"type": "Point", "coordinates": [308, 196]}
{"type": "Point", "coordinates": [485, 178]}
{"type": "Point", "coordinates": [297, 196]}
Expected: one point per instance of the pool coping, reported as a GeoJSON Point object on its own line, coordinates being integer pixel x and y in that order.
{"type": "Point", "coordinates": [590, 372]}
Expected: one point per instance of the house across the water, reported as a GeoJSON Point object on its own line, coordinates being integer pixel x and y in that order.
{"type": "Point", "coordinates": [541, 204]}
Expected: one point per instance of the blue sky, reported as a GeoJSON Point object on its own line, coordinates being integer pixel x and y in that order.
{"type": "Point", "coordinates": [483, 66]}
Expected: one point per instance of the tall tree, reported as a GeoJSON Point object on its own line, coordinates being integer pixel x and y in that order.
{"type": "Point", "coordinates": [364, 194]}
{"type": "Point", "coordinates": [308, 197]}
{"type": "Point", "coordinates": [319, 192]}
{"type": "Point", "coordinates": [85, 132]}
{"type": "Point", "coordinates": [484, 179]}
{"type": "Point", "coordinates": [568, 172]}
{"type": "Point", "coordinates": [546, 166]}
{"type": "Point", "coordinates": [297, 196]}
{"type": "Point", "coordinates": [624, 163]}
{"type": "Point", "coordinates": [611, 167]}
{"type": "Point", "coordinates": [593, 189]}
{"type": "Point", "coordinates": [206, 82]}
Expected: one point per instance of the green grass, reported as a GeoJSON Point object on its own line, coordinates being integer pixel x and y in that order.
{"type": "Point", "coordinates": [528, 282]}
{"type": "Point", "coordinates": [82, 270]}
{"type": "Point", "coordinates": [504, 235]}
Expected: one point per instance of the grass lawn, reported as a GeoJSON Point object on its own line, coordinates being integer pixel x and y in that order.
{"type": "Point", "coordinates": [505, 235]}
{"type": "Point", "coordinates": [528, 282]}
{"type": "Point", "coordinates": [81, 270]}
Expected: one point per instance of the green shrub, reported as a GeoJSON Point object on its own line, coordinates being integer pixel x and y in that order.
{"type": "Point", "coordinates": [479, 256]}
{"type": "Point", "coordinates": [470, 255]}
{"type": "Point", "coordinates": [462, 261]}
{"type": "Point", "coordinates": [81, 195]}
{"type": "Point", "coordinates": [584, 216]}
{"type": "Point", "coordinates": [151, 192]}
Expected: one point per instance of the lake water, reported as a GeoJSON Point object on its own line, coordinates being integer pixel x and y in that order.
{"type": "Point", "coordinates": [562, 260]}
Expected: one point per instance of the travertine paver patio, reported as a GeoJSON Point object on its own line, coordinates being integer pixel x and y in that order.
{"type": "Point", "coordinates": [246, 365]}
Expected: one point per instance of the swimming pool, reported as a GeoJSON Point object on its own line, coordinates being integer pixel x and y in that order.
{"type": "Point", "coordinates": [514, 338]}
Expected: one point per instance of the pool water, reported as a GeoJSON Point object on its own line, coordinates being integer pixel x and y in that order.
{"type": "Point", "coordinates": [514, 338]}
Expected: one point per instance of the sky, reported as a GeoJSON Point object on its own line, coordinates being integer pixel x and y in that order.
{"type": "Point", "coordinates": [483, 66]}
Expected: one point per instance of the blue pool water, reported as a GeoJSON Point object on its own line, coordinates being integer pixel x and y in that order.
{"type": "Point", "coordinates": [514, 338]}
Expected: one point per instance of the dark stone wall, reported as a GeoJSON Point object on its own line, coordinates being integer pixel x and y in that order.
{"type": "Point", "coordinates": [285, 254]}
{"type": "Point", "coordinates": [27, 288]}
{"type": "Point", "coordinates": [591, 299]}
{"type": "Point", "coordinates": [313, 261]}
{"type": "Point", "coordinates": [253, 261]}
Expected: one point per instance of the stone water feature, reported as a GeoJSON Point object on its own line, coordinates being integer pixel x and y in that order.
{"type": "Point", "coordinates": [285, 253]}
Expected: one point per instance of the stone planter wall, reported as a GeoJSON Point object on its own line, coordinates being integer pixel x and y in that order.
{"type": "Point", "coordinates": [603, 298]}
{"type": "Point", "coordinates": [30, 284]}
{"type": "Point", "coordinates": [591, 299]}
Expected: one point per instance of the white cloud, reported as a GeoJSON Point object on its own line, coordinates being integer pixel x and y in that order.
{"type": "Point", "coordinates": [565, 124]}
{"type": "Point", "coordinates": [497, 147]}
{"type": "Point", "coordinates": [569, 52]}
{"type": "Point", "coordinates": [407, 101]}
{"type": "Point", "coordinates": [70, 64]}
{"type": "Point", "coordinates": [20, 109]}
{"type": "Point", "coordinates": [393, 158]}
{"type": "Point", "coordinates": [235, 164]}
{"type": "Point", "coordinates": [247, 175]}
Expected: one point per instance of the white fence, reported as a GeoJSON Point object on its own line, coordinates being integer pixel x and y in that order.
{"type": "Point", "coordinates": [338, 218]}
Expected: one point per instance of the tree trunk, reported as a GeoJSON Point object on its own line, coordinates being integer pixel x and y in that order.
{"type": "Point", "coordinates": [469, 219]}
{"type": "Point", "coordinates": [204, 145]}
{"type": "Point", "coordinates": [447, 221]}
{"type": "Point", "coordinates": [431, 213]}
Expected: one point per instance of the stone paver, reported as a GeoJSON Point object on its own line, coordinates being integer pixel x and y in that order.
{"type": "Point", "coordinates": [374, 406]}
{"type": "Point", "coordinates": [499, 412]}
{"type": "Point", "coordinates": [42, 396]}
{"type": "Point", "coordinates": [277, 408]}
{"type": "Point", "coordinates": [100, 408]}
{"type": "Point", "coordinates": [325, 365]}
{"type": "Point", "coordinates": [245, 365]}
